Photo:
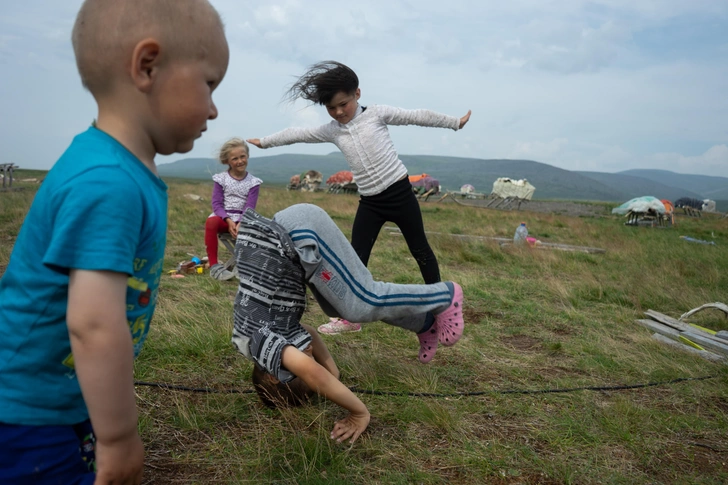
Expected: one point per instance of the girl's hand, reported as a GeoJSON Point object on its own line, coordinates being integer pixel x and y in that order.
{"type": "Point", "coordinates": [350, 427]}
{"type": "Point", "coordinates": [232, 228]}
{"type": "Point", "coordinates": [463, 120]}
{"type": "Point", "coordinates": [254, 141]}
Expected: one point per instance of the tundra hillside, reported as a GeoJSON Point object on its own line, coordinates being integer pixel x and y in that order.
{"type": "Point", "coordinates": [536, 320]}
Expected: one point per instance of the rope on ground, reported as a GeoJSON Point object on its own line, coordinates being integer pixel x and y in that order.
{"type": "Point", "coordinates": [374, 392]}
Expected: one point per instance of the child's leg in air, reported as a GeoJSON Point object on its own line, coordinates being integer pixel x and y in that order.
{"type": "Point", "coordinates": [344, 287]}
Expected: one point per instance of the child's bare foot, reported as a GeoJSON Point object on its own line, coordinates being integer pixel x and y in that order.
{"type": "Point", "coordinates": [350, 427]}
{"type": "Point", "coordinates": [450, 323]}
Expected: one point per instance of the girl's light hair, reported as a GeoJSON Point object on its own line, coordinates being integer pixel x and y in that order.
{"type": "Point", "coordinates": [228, 146]}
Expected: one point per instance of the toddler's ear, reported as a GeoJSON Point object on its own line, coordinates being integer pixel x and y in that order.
{"type": "Point", "coordinates": [145, 62]}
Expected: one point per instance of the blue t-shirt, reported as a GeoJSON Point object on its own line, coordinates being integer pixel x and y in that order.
{"type": "Point", "coordinates": [99, 208]}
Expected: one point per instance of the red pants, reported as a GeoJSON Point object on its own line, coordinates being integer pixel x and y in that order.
{"type": "Point", "coordinates": [213, 226]}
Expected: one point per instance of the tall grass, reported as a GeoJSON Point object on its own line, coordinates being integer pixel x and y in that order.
{"type": "Point", "coordinates": [535, 319]}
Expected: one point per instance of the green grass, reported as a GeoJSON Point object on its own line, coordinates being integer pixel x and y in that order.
{"type": "Point", "coordinates": [536, 319]}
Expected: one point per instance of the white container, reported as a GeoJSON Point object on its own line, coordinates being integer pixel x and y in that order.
{"type": "Point", "coordinates": [521, 234]}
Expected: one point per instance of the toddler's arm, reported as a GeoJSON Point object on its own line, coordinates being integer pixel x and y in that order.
{"type": "Point", "coordinates": [289, 136]}
{"type": "Point", "coordinates": [325, 384]}
{"type": "Point", "coordinates": [103, 355]}
{"type": "Point", "coordinates": [420, 117]}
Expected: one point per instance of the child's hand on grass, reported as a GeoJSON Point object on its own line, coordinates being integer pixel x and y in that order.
{"type": "Point", "coordinates": [350, 427]}
{"type": "Point", "coordinates": [463, 120]}
{"type": "Point", "coordinates": [254, 141]}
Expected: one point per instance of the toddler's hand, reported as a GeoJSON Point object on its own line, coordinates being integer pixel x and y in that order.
{"type": "Point", "coordinates": [463, 120]}
{"type": "Point", "coordinates": [120, 462]}
{"type": "Point", "coordinates": [350, 427]}
{"type": "Point", "coordinates": [254, 141]}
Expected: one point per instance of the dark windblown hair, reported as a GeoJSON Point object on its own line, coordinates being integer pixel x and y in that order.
{"type": "Point", "coordinates": [322, 82]}
{"type": "Point", "coordinates": [292, 393]}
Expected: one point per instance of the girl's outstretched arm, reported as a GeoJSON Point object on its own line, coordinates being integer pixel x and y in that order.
{"type": "Point", "coordinates": [420, 117]}
{"type": "Point", "coordinates": [465, 119]}
{"type": "Point", "coordinates": [289, 136]}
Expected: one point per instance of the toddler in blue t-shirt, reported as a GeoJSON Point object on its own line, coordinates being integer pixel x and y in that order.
{"type": "Point", "coordinates": [82, 281]}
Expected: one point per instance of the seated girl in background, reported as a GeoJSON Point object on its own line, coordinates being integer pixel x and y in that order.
{"type": "Point", "coordinates": [233, 192]}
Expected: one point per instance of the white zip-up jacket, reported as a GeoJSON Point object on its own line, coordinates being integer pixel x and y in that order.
{"type": "Point", "coordinates": [365, 142]}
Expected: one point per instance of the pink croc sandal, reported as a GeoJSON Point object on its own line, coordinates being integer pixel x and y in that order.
{"type": "Point", "coordinates": [450, 323]}
{"type": "Point", "coordinates": [338, 325]}
{"type": "Point", "coordinates": [428, 344]}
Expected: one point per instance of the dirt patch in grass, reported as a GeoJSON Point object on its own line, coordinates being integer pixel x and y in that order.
{"type": "Point", "coordinates": [698, 457]}
{"type": "Point", "coordinates": [473, 315]}
{"type": "Point", "coordinates": [524, 343]}
{"type": "Point", "coordinates": [159, 469]}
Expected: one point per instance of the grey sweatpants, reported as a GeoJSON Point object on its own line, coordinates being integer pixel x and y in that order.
{"type": "Point", "coordinates": [343, 286]}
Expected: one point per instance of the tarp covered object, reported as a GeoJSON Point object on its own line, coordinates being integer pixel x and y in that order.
{"type": "Point", "coordinates": [417, 178]}
{"type": "Point", "coordinates": [341, 177]}
{"type": "Point", "coordinates": [641, 205]}
{"type": "Point", "coordinates": [669, 208]}
{"type": "Point", "coordinates": [505, 187]}
{"type": "Point", "coordinates": [684, 202]}
{"type": "Point", "coordinates": [467, 189]}
{"type": "Point", "coordinates": [426, 183]}
{"type": "Point", "coordinates": [708, 205]}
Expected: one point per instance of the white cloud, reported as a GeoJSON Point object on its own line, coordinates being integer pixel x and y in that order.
{"type": "Point", "coordinates": [535, 150]}
{"type": "Point", "coordinates": [713, 162]}
{"type": "Point", "coordinates": [565, 82]}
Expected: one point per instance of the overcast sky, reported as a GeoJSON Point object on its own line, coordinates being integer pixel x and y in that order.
{"type": "Point", "coordinates": [602, 85]}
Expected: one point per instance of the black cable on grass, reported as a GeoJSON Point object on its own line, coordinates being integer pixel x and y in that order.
{"type": "Point", "coordinates": [438, 394]}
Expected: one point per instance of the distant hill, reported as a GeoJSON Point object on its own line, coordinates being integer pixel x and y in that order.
{"type": "Point", "coordinates": [452, 172]}
{"type": "Point", "coordinates": [707, 186]}
{"type": "Point", "coordinates": [636, 186]}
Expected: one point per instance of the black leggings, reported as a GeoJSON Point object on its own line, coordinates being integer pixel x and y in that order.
{"type": "Point", "coordinates": [399, 205]}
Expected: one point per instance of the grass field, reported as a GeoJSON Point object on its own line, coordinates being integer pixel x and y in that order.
{"type": "Point", "coordinates": [535, 320]}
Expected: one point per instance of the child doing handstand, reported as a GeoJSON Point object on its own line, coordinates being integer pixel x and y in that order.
{"type": "Point", "coordinates": [302, 246]}
{"type": "Point", "coordinates": [79, 293]}
{"type": "Point", "coordinates": [234, 191]}
{"type": "Point", "coordinates": [361, 133]}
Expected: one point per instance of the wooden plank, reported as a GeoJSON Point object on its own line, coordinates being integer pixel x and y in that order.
{"type": "Point", "coordinates": [668, 320]}
{"type": "Point", "coordinates": [709, 344]}
{"type": "Point", "coordinates": [689, 342]}
{"type": "Point", "coordinates": [562, 247]}
{"type": "Point", "coordinates": [702, 353]}
{"type": "Point", "coordinates": [506, 240]}
{"type": "Point", "coordinates": [694, 335]}
{"type": "Point", "coordinates": [394, 231]}
{"type": "Point", "coordinates": [703, 329]}
{"type": "Point", "coordinates": [682, 327]}
{"type": "Point", "coordinates": [660, 328]}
